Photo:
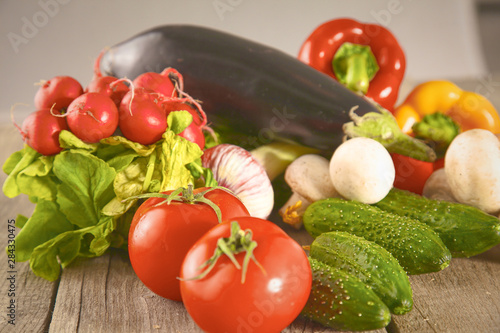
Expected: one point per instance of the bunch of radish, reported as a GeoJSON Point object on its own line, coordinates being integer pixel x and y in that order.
{"type": "Point", "coordinates": [109, 106]}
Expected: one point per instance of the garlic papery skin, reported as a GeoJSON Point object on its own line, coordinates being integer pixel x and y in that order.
{"type": "Point", "coordinates": [236, 169]}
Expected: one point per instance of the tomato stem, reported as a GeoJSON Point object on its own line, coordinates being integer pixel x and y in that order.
{"type": "Point", "coordinates": [184, 195]}
{"type": "Point", "coordinates": [239, 241]}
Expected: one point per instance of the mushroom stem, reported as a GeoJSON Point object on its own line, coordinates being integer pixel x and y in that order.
{"type": "Point", "coordinates": [293, 210]}
{"type": "Point", "coordinates": [309, 179]}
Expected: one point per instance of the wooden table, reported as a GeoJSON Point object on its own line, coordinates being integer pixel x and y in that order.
{"type": "Point", "coordinates": [104, 295]}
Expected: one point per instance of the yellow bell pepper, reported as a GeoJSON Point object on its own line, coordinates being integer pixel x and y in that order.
{"type": "Point", "coordinates": [468, 109]}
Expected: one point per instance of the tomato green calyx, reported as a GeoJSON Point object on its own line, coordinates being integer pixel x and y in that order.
{"type": "Point", "coordinates": [185, 195]}
{"type": "Point", "coordinates": [239, 241]}
{"type": "Point", "coordinates": [355, 66]}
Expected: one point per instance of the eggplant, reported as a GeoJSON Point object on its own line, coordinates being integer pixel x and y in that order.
{"type": "Point", "coordinates": [256, 92]}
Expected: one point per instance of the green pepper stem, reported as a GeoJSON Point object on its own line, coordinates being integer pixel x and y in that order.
{"type": "Point", "coordinates": [355, 66]}
{"type": "Point", "coordinates": [356, 77]}
{"type": "Point", "coordinates": [438, 130]}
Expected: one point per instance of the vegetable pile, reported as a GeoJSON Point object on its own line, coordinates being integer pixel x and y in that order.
{"type": "Point", "coordinates": [132, 164]}
{"type": "Point", "coordinates": [78, 166]}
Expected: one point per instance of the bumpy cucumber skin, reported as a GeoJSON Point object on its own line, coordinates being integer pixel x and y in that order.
{"type": "Point", "coordinates": [369, 262]}
{"type": "Point", "coordinates": [418, 249]}
{"type": "Point", "coordinates": [343, 302]}
{"type": "Point", "coordinates": [465, 230]}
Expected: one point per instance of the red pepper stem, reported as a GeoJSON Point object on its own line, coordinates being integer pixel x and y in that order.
{"type": "Point", "coordinates": [356, 77]}
{"type": "Point", "coordinates": [355, 66]}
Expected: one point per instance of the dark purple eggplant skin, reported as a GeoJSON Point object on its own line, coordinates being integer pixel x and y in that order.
{"type": "Point", "coordinates": [254, 91]}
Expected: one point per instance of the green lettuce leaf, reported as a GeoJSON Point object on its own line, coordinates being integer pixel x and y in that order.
{"type": "Point", "coordinates": [68, 140]}
{"type": "Point", "coordinates": [30, 173]}
{"type": "Point", "coordinates": [14, 165]}
{"type": "Point", "coordinates": [135, 178]}
{"type": "Point", "coordinates": [178, 121]}
{"type": "Point", "coordinates": [176, 154]}
{"type": "Point", "coordinates": [86, 186]}
{"type": "Point", "coordinates": [122, 144]}
{"type": "Point", "coordinates": [46, 223]}
{"type": "Point", "coordinates": [47, 259]}
{"type": "Point", "coordinates": [12, 161]}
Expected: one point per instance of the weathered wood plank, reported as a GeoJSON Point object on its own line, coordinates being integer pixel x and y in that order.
{"type": "Point", "coordinates": [465, 297]}
{"type": "Point", "coordinates": [145, 311]}
{"type": "Point", "coordinates": [81, 295]}
{"type": "Point", "coordinates": [104, 295]}
{"type": "Point", "coordinates": [32, 296]}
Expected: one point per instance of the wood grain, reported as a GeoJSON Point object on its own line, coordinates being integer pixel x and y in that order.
{"type": "Point", "coordinates": [34, 297]}
{"type": "Point", "coordinates": [464, 297]}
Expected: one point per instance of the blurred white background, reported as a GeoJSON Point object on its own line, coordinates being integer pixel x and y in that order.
{"type": "Point", "coordinates": [443, 39]}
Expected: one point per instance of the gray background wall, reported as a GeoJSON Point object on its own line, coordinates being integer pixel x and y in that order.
{"type": "Point", "coordinates": [42, 38]}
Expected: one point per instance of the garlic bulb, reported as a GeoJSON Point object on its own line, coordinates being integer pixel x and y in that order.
{"type": "Point", "coordinates": [236, 169]}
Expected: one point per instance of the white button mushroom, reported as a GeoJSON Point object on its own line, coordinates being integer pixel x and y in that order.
{"type": "Point", "coordinates": [472, 166]}
{"type": "Point", "coordinates": [436, 187]}
{"type": "Point", "coordinates": [362, 169]}
{"type": "Point", "coordinates": [309, 179]}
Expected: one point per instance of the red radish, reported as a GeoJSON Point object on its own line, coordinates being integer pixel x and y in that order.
{"type": "Point", "coordinates": [142, 119]}
{"type": "Point", "coordinates": [109, 86]}
{"type": "Point", "coordinates": [185, 104]}
{"type": "Point", "coordinates": [57, 93]}
{"type": "Point", "coordinates": [159, 82]}
{"type": "Point", "coordinates": [40, 130]}
{"type": "Point", "coordinates": [194, 132]}
{"type": "Point", "coordinates": [92, 117]}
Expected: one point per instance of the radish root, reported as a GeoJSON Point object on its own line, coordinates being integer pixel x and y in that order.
{"type": "Point", "coordinates": [23, 134]}
{"type": "Point", "coordinates": [132, 89]}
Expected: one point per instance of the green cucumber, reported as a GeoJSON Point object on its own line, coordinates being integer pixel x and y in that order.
{"type": "Point", "coordinates": [343, 302]}
{"type": "Point", "coordinates": [416, 246]}
{"type": "Point", "coordinates": [465, 230]}
{"type": "Point", "coordinates": [369, 262]}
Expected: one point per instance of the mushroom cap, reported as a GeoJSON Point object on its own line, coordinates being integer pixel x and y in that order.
{"type": "Point", "coordinates": [309, 176]}
{"type": "Point", "coordinates": [362, 169]}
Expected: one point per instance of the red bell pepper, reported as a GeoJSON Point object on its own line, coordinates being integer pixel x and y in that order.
{"type": "Point", "coordinates": [411, 174]}
{"type": "Point", "coordinates": [367, 58]}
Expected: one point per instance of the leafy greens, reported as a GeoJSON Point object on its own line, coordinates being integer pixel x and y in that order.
{"type": "Point", "coordinates": [79, 193]}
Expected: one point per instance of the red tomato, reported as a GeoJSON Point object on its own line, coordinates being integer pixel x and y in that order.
{"type": "Point", "coordinates": [160, 236]}
{"type": "Point", "coordinates": [272, 294]}
{"type": "Point", "coordinates": [411, 174]}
